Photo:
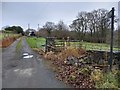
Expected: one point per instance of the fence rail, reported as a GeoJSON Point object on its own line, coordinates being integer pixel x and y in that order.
{"type": "Point", "coordinates": [54, 44]}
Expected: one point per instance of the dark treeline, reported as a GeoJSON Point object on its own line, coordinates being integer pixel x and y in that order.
{"type": "Point", "coordinates": [14, 29]}
{"type": "Point", "coordinates": [91, 26]}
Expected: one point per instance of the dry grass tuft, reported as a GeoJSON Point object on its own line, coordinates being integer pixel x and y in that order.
{"type": "Point", "coordinates": [70, 51]}
{"type": "Point", "coordinates": [50, 56]}
{"type": "Point", "coordinates": [39, 51]}
{"type": "Point", "coordinates": [8, 41]}
{"type": "Point", "coordinates": [61, 56]}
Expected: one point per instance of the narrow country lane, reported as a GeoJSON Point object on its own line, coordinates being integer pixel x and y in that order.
{"type": "Point", "coordinates": [19, 72]}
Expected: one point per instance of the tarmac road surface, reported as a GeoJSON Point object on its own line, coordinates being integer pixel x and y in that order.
{"type": "Point", "coordinates": [19, 72]}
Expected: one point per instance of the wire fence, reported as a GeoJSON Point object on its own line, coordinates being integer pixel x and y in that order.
{"type": "Point", "coordinates": [54, 43]}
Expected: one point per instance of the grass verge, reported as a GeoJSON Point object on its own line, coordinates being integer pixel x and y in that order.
{"type": "Point", "coordinates": [106, 80]}
{"type": "Point", "coordinates": [18, 44]}
{"type": "Point", "coordinates": [34, 42]}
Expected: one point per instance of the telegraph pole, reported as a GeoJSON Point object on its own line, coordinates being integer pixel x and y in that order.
{"type": "Point", "coordinates": [28, 26]}
{"type": "Point", "coordinates": [111, 43]}
{"type": "Point", "coordinates": [38, 26]}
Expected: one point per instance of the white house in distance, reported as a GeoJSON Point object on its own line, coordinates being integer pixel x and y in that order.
{"type": "Point", "coordinates": [30, 32]}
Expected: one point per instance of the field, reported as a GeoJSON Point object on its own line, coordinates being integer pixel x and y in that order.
{"type": "Point", "coordinates": [34, 42]}
{"type": "Point", "coordinates": [1, 36]}
{"type": "Point", "coordinates": [4, 35]}
{"type": "Point", "coordinates": [39, 42]}
{"type": "Point", "coordinates": [94, 46]}
{"type": "Point", "coordinates": [7, 35]}
{"type": "Point", "coordinates": [7, 38]}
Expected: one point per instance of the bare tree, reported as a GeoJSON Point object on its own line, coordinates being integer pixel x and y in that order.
{"type": "Point", "coordinates": [76, 26]}
{"type": "Point", "coordinates": [49, 26]}
{"type": "Point", "coordinates": [80, 25]}
{"type": "Point", "coordinates": [90, 24]}
{"type": "Point", "coordinates": [62, 30]}
{"type": "Point", "coordinates": [96, 23]}
{"type": "Point", "coordinates": [102, 23]}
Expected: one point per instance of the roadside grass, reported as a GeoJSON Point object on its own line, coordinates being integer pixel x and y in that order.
{"type": "Point", "coordinates": [34, 42]}
{"type": "Point", "coordinates": [1, 36]}
{"type": "Point", "coordinates": [6, 35]}
{"type": "Point", "coordinates": [18, 44]}
{"type": "Point", "coordinates": [106, 80]}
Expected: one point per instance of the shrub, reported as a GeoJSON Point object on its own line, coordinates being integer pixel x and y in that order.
{"type": "Point", "coordinates": [50, 56]}
{"type": "Point", "coordinates": [118, 78]}
{"type": "Point", "coordinates": [8, 41]}
{"type": "Point", "coordinates": [85, 70]}
{"type": "Point", "coordinates": [39, 51]}
{"type": "Point", "coordinates": [96, 75]}
{"type": "Point", "coordinates": [109, 81]}
{"type": "Point", "coordinates": [75, 52]}
{"type": "Point", "coordinates": [105, 80]}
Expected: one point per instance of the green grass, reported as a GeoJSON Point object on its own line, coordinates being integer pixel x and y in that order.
{"type": "Point", "coordinates": [38, 42]}
{"type": "Point", "coordinates": [109, 80]}
{"type": "Point", "coordinates": [34, 42]}
{"type": "Point", "coordinates": [1, 36]}
{"type": "Point", "coordinates": [93, 46]}
{"type": "Point", "coordinates": [18, 44]}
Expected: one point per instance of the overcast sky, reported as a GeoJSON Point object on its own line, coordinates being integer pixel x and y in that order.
{"type": "Point", "coordinates": [119, 13]}
{"type": "Point", "coordinates": [34, 13]}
